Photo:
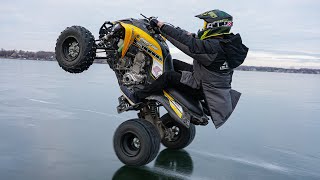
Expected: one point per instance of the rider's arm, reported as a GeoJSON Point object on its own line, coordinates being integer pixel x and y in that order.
{"type": "Point", "coordinates": [204, 51]}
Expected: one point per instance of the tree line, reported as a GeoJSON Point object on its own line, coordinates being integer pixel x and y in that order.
{"type": "Point", "coordinates": [20, 54]}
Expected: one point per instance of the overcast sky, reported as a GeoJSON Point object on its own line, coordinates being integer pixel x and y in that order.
{"type": "Point", "coordinates": [274, 27]}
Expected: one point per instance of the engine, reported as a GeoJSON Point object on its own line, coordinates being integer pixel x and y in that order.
{"type": "Point", "coordinates": [131, 69]}
{"type": "Point", "coordinates": [134, 69]}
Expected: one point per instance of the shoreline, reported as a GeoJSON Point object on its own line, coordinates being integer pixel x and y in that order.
{"type": "Point", "coordinates": [240, 68]}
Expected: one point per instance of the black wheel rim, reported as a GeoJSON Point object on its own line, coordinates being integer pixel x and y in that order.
{"type": "Point", "coordinates": [70, 48]}
{"type": "Point", "coordinates": [130, 144]}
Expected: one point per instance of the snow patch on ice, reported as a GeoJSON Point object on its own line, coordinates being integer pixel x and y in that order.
{"type": "Point", "coordinates": [41, 101]}
{"type": "Point", "coordinates": [256, 163]}
{"type": "Point", "coordinates": [100, 113]}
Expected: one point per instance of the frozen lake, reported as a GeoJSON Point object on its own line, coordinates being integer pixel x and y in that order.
{"type": "Point", "coordinates": [56, 125]}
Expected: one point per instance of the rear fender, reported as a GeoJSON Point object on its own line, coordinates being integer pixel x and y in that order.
{"type": "Point", "coordinates": [181, 118]}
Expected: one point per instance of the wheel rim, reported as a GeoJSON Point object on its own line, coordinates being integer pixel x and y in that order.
{"type": "Point", "coordinates": [71, 48]}
{"type": "Point", "coordinates": [130, 144]}
{"type": "Point", "coordinates": [175, 130]}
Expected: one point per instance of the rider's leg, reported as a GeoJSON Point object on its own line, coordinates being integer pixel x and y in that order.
{"type": "Point", "coordinates": [181, 66]}
{"type": "Point", "coordinates": [166, 80]}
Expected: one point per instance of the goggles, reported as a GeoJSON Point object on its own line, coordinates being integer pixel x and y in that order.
{"type": "Point", "coordinates": [217, 24]}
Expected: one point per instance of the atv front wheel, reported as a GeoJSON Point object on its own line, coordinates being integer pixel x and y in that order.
{"type": "Point", "coordinates": [182, 136]}
{"type": "Point", "coordinates": [75, 49]}
{"type": "Point", "coordinates": [136, 142]}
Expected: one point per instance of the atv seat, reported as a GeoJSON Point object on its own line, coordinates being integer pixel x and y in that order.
{"type": "Point", "coordinates": [191, 103]}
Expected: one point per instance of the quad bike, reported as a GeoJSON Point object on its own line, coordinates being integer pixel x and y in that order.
{"type": "Point", "coordinates": [138, 55]}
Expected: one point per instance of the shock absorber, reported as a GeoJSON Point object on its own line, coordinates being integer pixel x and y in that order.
{"type": "Point", "coordinates": [153, 109]}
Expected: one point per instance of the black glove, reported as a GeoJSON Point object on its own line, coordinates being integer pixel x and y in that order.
{"type": "Point", "coordinates": [154, 23]}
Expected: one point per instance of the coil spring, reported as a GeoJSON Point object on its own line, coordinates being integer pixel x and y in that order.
{"type": "Point", "coordinates": [153, 109]}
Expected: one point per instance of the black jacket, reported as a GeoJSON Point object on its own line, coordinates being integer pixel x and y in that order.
{"type": "Point", "coordinates": [210, 70]}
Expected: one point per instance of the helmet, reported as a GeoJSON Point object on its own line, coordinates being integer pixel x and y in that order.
{"type": "Point", "coordinates": [216, 22]}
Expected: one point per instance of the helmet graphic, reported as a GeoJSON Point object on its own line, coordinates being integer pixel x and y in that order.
{"type": "Point", "coordinates": [216, 22]}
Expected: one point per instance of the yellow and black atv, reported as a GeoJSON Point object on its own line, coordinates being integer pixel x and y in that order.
{"type": "Point", "coordinates": [138, 55]}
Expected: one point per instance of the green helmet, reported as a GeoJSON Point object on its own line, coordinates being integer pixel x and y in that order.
{"type": "Point", "coordinates": [216, 22]}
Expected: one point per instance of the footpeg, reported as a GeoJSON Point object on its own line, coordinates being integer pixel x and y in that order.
{"type": "Point", "coordinates": [203, 121]}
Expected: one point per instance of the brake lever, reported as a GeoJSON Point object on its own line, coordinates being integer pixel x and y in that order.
{"type": "Point", "coordinates": [148, 18]}
{"type": "Point", "coordinates": [144, 16]}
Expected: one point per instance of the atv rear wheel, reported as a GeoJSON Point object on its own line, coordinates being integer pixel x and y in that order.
{"type": "Point", "coordinates": [183, 136]}
{"type": "Point", "coordinates": [136, 142]}
{"type": "Point", "coordinates": [75, 49]}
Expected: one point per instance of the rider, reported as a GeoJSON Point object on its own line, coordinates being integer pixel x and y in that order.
{"type": "Point", "coordinates": [215, 51]}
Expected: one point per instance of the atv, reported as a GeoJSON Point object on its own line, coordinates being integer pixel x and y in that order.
{"type": "Point", "coordinates": [138, 54]}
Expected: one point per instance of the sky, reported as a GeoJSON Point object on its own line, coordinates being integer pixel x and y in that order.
{"type": "Point", "coordinates": [281, 33]}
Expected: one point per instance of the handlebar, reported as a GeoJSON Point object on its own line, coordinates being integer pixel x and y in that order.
{"type": "Point", "coordinates": [148, 18]}
{"type": "Point", "coordinates": [143, 16]}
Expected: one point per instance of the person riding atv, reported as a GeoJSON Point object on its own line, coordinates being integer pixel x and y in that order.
{"type": "Point", "coordinates": [216, 52]}
{"type": "Point", "coordinates": [137, 52]}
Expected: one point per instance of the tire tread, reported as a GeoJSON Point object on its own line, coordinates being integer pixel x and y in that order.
{"type": "Point", "coordinates": [154, 137]}
{"type": "Point", "coordinates": [88, 54]}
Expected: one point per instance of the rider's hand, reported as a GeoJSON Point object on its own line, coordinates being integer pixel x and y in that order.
{"type": "Point", "coordinates": [154, 23]}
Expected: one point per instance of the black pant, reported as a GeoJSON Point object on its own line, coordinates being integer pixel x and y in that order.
{"type": "Point", "coordinates": [171, 79]}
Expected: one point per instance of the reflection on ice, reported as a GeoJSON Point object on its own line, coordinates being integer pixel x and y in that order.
{"type": "Point", "coordinates": [170, 164]}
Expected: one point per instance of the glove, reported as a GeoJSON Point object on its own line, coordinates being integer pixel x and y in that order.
{"type": "Point", "coordinates": [154, 23]}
